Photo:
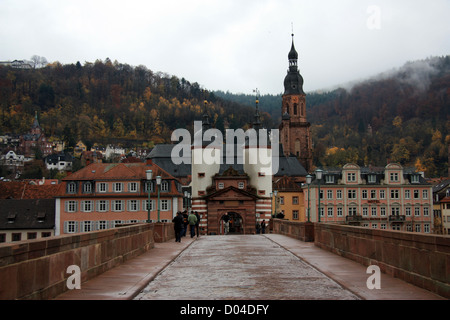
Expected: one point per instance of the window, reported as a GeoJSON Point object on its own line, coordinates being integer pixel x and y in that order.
{"type": "Point", "coordinates": [383, 211]}
{"type": "Point", "coordinates": [281, 200]}
{"type": "Point", "coordinates": [16, 237]}
{"type": "Point", "coordinates": [321, 194]}
{"type": "Point", "coordinates": [87, 226]}
{"type": "Point", "coordinates": [87, 206]}
{"type": "Point", "coordinates": [45, 234]}
{"type": "Point", "coordinates": [321, 211]}
{"type": "Point", "coordinates": [165, 186]}
{"type": "Point", "coordinates": [374, 211]}
{"type": "Point", "coordinates": [382, 194]}
{"type": "Point", "coordinates": [407, 194]}
{"type": "Point", "coordinates": [408, 211]}
{"type": "Point", "coordinates": [425, 194]}
{"type": "Point", "coordinates": [383, 226]}
{"type": "Point", "coordinates": [329, 179]}
{"type": "Point", "coordinates": [102, 205]}
{"type": "Point", "coordinates": [295, 214]}
{"type": "Point", "coordinates": [373, 194]}
{"type": "Point", "coordinates": [87, 187]}
{"type": "Point", "coordinates": [31, 235]}
{"type": "Point", "coordinates": [417, 211]}
{"type": "Point", "coordinates": [133, 205]}
{"type": "Point", "coordinates": [372, 178]}
{"type": "Point", "coordinates": [351, 177]}
{"type": "Point", "coordinates": [339, 211]}
{"type": "Point", "coordinates": [145, 203]}
{"type": "Point", "coordinates": [374, 225]}
{"type": "Point", "coordinates": [395, 211]}
{"type": "Point", "coordinates": [102, 187]}
{"type": "Point", "coordinates": [416, 194]}
{"type": "Point", "coordinates": [294, 200]}
{"type": "Point", "coordinates": [394, 177]}
{"type": "Point", "coordinates": [330, 211]}
{"type": "Point", "coordinates": [417, 227]}
{"type": "Point", "coordinates": [165, 205]}
{"type": "Point", "coordinates": [132, 187]}
{"type": "Point", "coordinates": [201, 174]}
{"type": "Point", "coordinates": [339, 194]}
{"type": "Point", "coordinates": [415, 178]}
{"type": "Point", "coordinates": [426, 211]}
{"type": "Point", "coordinates": [241, 185]}
{"type": "Point", "coordinates": [365, 211]}
{"type": "Point", "coordinates": [102, 225]}
{"type": "Point", "coordinates": [329, 194]}
{"type": "Point", "coordinates": [117, 205]}
{"type": "Point", "coordinates": [221, 185]}
{"type": "Point", "coordinates": [352, 194]}
{"type": "Point", "coordinates": [426, 228]}
{"type": "Point", "coordinates": [70, 227]}
{"type": "Point", "coordinates": [352, 211]}
{"type": "Point", "coordinates": [394, 194]}
{"type": "Point", "coordinates": [71, 206]}
{"type": "Point", "coordinates": [118, 187]}
{"type": "Point", "coordinates": [364, 194]}
{"type": "Point", "coordinates": [72, 187]}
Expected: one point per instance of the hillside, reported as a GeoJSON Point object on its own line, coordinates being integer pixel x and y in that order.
{"type": "Point", "coordinates": [402, 116]}
{"type": "Point", "coordinates": [109, 102]}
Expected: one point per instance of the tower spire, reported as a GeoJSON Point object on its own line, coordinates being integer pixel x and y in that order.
{"type": "Point", "coordinates": [257, 122]}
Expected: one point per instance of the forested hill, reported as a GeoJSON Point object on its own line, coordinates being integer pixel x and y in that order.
{"type": "Point", "coordinates": [402, 116]}
{"type": "Point", "coordinates": [107, 102]}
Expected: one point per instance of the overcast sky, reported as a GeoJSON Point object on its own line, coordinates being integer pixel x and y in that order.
{"type": "Point", "coordinates": [235, 45]}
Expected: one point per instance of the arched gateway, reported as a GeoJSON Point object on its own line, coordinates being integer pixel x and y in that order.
{"type": "Point", "coordinates": [236, 223]}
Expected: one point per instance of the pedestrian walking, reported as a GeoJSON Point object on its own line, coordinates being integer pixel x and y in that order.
{"type": "Point", "coordinates": [197, 224]}
{"type": "Point", "coordinates": [178, 226]}
{"type": "Point", "coordinates": [263, 226]}
{"type": "Point", "coordinates": [185, 223]}
{"type": "Point", "coordinates": [192, 220]}
{"type": "Point", "coordinates": [226, 223]}
{"type": "Point", "coordinates": [258, 228]}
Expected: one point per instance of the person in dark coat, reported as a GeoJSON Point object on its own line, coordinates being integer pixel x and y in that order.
{"type": "Point", "coordinates": [198, 223]}
{"type": "Point", "coordinates": [178, 226]}
{"type": "Point", "coordinates": [185, 223]}
{"type": "Point", "coordinates": [263, 226]}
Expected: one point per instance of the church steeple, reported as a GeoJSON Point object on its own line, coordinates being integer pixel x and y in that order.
{"type": "Point", "coordinates": [293, 83]}
{"type": "Point", "coordinates": [257, 121]}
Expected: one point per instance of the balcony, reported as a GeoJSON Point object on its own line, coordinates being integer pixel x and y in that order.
{"type": "Point", "coordinates": [353, 220]}
{"type": "Point", "coordinates": [397, 218]}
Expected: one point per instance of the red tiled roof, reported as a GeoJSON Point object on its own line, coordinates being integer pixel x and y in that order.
{"type": "Point", "coordinates": [24, 190]}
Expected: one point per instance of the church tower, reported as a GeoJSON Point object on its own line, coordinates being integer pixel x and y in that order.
{"type": "Point", "coordinates": [295, 130]}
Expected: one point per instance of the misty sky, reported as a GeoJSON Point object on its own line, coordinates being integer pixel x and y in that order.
{"type": "Point", "coordinates": [228, 44]}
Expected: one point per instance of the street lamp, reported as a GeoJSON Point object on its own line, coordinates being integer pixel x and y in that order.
{"type": "Point", "coordinates": [308, 182]}
{"type": "Point", "coordinates": [275, 193]}
{"type": "Point", "coordinates": [149, 174]}
{"type": "Point", "coordinates": [271, 204]}
{"type": "Point", "coordinates": [319, 178]}
{"type": "Point", "coordinates": [158, 183]}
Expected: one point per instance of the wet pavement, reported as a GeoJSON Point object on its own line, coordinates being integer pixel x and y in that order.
{"type": "Point", "coordinates": [239, 267]}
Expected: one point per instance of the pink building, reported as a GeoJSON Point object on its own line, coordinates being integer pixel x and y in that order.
{"type": "Point", "coordinates": [104, 195]}
{"type": "Point", "coordinates": [381, 198]}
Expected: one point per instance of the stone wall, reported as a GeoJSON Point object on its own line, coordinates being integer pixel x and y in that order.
{"type": "Point", "coordinates": [164, 232]}
{"type": "Point", "coordinates": [420, 259]}
{"type": "Point", "coordinates": [303, 231]}
{"type": "Point", "coordinates": [37, 269]}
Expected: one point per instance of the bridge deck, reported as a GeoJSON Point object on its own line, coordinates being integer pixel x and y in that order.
{"type": "Point", "coordinates": [261, 267]}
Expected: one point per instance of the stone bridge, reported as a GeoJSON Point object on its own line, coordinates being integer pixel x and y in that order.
{"type": "Point", "coordinates": [296, 261]}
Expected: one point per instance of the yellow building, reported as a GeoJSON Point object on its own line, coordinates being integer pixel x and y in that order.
{"type": "Point", "coordinates": [288, 199]}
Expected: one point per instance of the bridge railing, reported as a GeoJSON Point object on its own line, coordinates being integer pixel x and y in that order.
{"type": "Point", "coordinates": [420, 259]}
{"type": "Point", "coordinates": [38, 269]}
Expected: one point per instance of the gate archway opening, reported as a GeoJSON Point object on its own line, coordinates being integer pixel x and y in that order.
{"type": "Point", "coordinates": [236, 223]}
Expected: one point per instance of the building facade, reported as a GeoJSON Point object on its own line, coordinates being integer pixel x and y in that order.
{"type": "Point", "coordinates": [289, 199]}
{"type": "Point", "coordinates": [380, 198]}
{"type": "Point", "coordinates": [102, 196]}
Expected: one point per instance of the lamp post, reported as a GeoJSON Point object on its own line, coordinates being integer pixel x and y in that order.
{"type": "Point", "coordinates": [149, 174]}
{"type": "Point", "coordinates": [319, 178]}
{"type": "Point", "coordinates": [271, 204]}
{"type": "Point", "coordinates": [158, 183]}
{"type": "Point", "coordinates": [275, 193]}
{"type": "Point", "coordinates": [308, 182]}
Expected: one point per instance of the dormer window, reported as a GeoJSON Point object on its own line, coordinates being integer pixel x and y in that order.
{"type": "Point", "coordinates": [415, 178]}
{"type": "Point", "coordinates": [87, 187]}
{"type": "Point", "coordinates": [371, 178]}
{"type": "Point", "coordinates": [329, 179]}
{"type": "Point", "coordinates": [165, 186]}
{"type": "Point", "coordinates": [351, 177]}
{"type": "Point", "coordinates": [394, 177]}
{"type": "Point", "coordinates": [72, 187]}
